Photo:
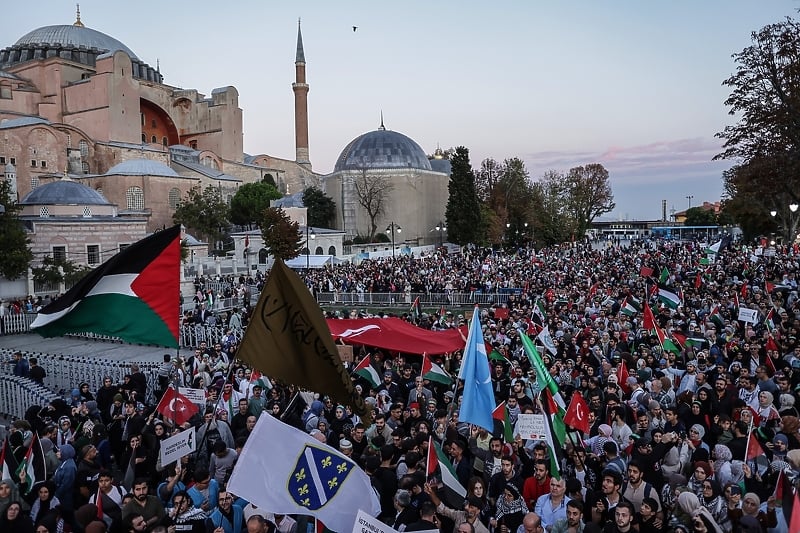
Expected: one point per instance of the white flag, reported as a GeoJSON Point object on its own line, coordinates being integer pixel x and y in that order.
{"type": "Point", "coordinates": [547, 341]}
{"type": "Point", "coordinates": [286, 471]}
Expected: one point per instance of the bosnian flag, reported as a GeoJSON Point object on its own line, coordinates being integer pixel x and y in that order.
{"type": "Point", "coordinates": [133, 296]}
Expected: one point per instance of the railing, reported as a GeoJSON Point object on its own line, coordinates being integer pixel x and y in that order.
{"type": "Point", "coordinates": [17, 394]}
{"type": "Point", "coordinates": [402, 299]}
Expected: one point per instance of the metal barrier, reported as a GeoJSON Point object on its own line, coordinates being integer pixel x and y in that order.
{"type": "Point", "coordinates": [18, 322]}
{"type": "Point", "coordinates": [18, 394]}
{"type": "Point", "coordinates": [402, 299]}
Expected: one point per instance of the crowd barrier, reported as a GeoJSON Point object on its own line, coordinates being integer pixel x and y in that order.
{"type": "Point", "coordinates": [402, 299]}
{"type": "Point", "coordinates": [17, 394]}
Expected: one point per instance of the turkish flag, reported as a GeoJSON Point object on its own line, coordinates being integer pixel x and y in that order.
{"type": "Point", "coordinates": [176, 406]}
{"type": "Point", "coordinates": [623, 375]}
{"type": "Point", "coordinates": [645, 272]}
{"type": "Point", "coordinates": [794, 523]}
{"type": "Point", "coordinates": [577, 415]}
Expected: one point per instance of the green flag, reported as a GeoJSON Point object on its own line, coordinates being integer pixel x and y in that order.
{"type": "Point", "coordinates": [664, 276]}
{"type": "Point", "coordinates": [543, 377]}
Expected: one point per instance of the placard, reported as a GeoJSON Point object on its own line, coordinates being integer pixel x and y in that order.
{"type": "Point", "coordinates": [345, 352]}
{"type": "Point", "coordinates": [196, 396]}
{"type": "Point", "coordinates": [530, 426]}
{"type": "Point", "coordinates": [367, 524]}
{"type": "Point", "coordinates": [748, 315]}
{"type": "Point", "coordinates": [175, 447]}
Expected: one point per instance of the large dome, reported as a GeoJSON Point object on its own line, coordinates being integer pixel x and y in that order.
{"type": "Point", "coordinates": [382, 149]}
{"type": "Point", "coordinates": [64, 192]}
{"type": "Point", "coordinates": [71, 35]}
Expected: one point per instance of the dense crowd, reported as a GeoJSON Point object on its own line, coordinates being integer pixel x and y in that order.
{"type": "Point", "coordinates": [667, 448]}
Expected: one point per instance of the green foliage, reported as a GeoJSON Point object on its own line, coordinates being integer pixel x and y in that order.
{"type": "Point", "coordinates": [697, 216]}
{"type": "Point", "coordinates": [589, 196]}
{"type": "Point", "coordinates": [463, 208]}
{"type": "Point", "coordinates": [205, 214]}
{"type": "Point", "coordinates": [16, 256]}
{"type": "Point", "coordinates": [250, 201]}
{"type": "Point", "coordinates": [281, 235]}
{"type": "Point", "coordinates": [53, 271]}
{"type": "Point", "coordinates": [320, 207]}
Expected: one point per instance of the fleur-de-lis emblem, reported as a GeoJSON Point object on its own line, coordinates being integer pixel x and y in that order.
{"type": "Point", "coordinates": [301, 475]}
{"type": "Point", "coordinates": [305, 502]}
{"type": "Point", "coordinates": [326, 462]}
{"type": "Point", "coordinates": [332, 483]}
{"type": "Point", "coordinates": [303, 490]}
{"type": "Point", "coordinates": [341, 468]}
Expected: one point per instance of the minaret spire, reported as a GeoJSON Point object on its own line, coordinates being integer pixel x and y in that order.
{"type": "Point", "coordinates": [300, 88]}
{"type": "Point", "coordinates": [78, 16]}
{"type": "Point", "coordinates": [382, 128]}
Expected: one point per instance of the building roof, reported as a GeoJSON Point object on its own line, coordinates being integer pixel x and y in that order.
{"type": "Point", "coordinates": [71, 35]}
{"type": "Point", "coordinates": [22, 121]}
{"type": "Point", "coordinates": [292, 200]}
{"type": "Point", "coordinates": [142, 167]}
{"type": "Point", "coordinates": [64, 192]}
{"type": "Point", "coordinates": [206, 171]}
{"type": "Point", "coordinates": [382, 149]}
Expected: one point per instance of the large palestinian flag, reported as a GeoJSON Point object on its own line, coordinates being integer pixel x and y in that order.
{"type": "Point", "coordinates": [133, 296]}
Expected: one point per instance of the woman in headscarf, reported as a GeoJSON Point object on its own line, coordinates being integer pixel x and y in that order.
{"type": "Point", "coordinates": [337, 427]}
{"type": "Point", "coordinates": [46, 501]}
{"type": "Point", "coordinates": [698, 449]}
{"type": "Point", "coordinates": [722, 464]}
{"type": "Point", "coordinates": [686, 505]}
{"type": "Point", "coordinates": [51, 461]}
{"type": "Point", "coordinates": [14, 521]}
{"type": "Point", "coordinates": [64, 480]}
{"type": "Point", "coordinates": [702, 471]}
{"type": "Point", "coordinates": [511, 509]}
{"type": "Point", "coordinates": [711, 498]}
{"type": "Point", "coordinates": [8, 494]}
{"type": "Point", "coordinates": [751, 505]}
{"type": "Point", "coordinates": [702, 521]}
{"type": "Point", "coordinates": [477, 488]}
{"type": "Point", "coordinates": [767, 413]}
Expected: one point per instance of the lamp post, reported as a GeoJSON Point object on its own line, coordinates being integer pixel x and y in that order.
{"type": "Point", "coordinates": [690, 200]}
{"type": "Point", "coordinates": [391, 229]}
{"type": "Point", "coordinates": [789, 223]}
{"type": "Point", "coordinates": [441, 229]}
{"type": "Point", "coordinates": [312, 235]}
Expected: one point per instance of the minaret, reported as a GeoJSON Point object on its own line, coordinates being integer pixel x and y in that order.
{"type": "Point", "coordinates": [78, 22]}
{"type": "Point", "coordinates": [300, 88]}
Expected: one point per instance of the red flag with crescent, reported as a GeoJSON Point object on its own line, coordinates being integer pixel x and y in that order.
{"type": "Point", "coordinates": [176, 406]}
{"type": "Point", "coordinates": [577, 415]}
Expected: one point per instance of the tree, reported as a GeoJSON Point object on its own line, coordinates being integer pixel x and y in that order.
{"type": "Point", "coordinates": [281, 235]}
{"type": "Point", "coordinates": [372, 191]}
{"type": "Point", "coordinates": [550, 219]}
{"type": "Point", "coordinates": [204, 213]}
{"type": "Point", "coordinates": [589, 196]}
{"type": "Point", "coordinates": [765, 141]}
{"type": "Point", "coordinates": [249, 202]}
{"type": "Point", "coordinates": [463, 208]}
{"type": "Point", "coordinates": [698, 216]}
{"type": "Point", "coordinates": [486, 178]}
{"type": "Point", "coordinates": [16, 256]}
{"type": "Point", "coordinates": [320, 207]}
{"type": "Point", "coordinates": [55, 271]}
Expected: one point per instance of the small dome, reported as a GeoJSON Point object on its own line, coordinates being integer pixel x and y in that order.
{"type": "Point", "coordinates": [382, 149]}
{"type": "Point", "coordinates": [64, 192]}
{"type": "Point", "coordinates": [141, 167]}
{"type": "Point", "coordinates": [71, 35]}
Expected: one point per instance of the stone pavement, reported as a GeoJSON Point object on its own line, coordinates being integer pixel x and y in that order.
{"type": "Point", "coordinates": [115, 351]}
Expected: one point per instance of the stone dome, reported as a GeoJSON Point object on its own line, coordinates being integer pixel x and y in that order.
{"type": "Point", "coordinates": [142, 167]}
{"type": "Point", "coordinates": [75, 36]}
{"type": "Point", "coordinates": [382, 148]}
{"type": "Point", "coordinates": [64, 192]}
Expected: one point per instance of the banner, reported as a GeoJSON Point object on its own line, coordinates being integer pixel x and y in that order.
{"type": "Point", "coordinates": [748, 315]}
{"type": "Point", "coordinates": [196, 396]}
{"type": "Point", "coordinates": [530, 426]}
{"type": "Point", "coordinates": [175, 447]}
{"type": "Point", "coordinates": [367, 524]}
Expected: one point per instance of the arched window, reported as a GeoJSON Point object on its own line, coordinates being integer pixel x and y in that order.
{"type": "Point", "coordinates": [318, 251]}
{"type": "Point", "coordinates": [153, 139]}
{"type": "Point", "coordinates": [144, 138]}
{"type": "Point", "coordinates": [304, 251]}
{"type": "Point", "coordinates": [332, 250]}
{"type": "Point", "coordinates": [174, 198]}
{"type": "Point", "coordinates": [135, 198]}
{"type": "Point", "coordinates": [84, 147]}
{"type": "Point", "coordinates": [262, 256]}
{"type": "Point", "coordinates": [164, 141]}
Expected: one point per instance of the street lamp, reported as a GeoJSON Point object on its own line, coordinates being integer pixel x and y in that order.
{"type": "Point", "coordinates": [690, 200]}
{"type": "Point", "coordinates": [308, 244]}
{"type": "Point", "coordinates": [441, 229]}
{"type": "Point", "coordinates": [391, 229]}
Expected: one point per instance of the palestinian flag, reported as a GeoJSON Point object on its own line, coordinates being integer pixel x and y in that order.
{"type": "Point", "coordinates": [690, 342]}
{"type": "Point", "coordinates": [257, 378]}
{"type": "Point", "coordinates": [715, 317]}
{"type": "Point", "coordinates": [754, 448]}
{"type": "Point", "coordinates": [33, 466]}
{"type": "Point", "coordinates": [6, 455]}
{"type": "Point", "coordinates": [555, 431]}
{"type": "Point", "coordinates": [501, 413]}
{"type": "Point", "coordinates": [416, 310]}
{"type": "Point", "coordinates": [718, 246]}
{"type": "Point", "coordinates": [664, 276]}
{"type": "Point", "coordinates": [630, 306]}
{"type": "Point", "coordinates": [133, 296]}
{"type": "Point", "coordinates": [439, 468]}
{"type": "Point", "coordinates": [666, 343]}
{"type": "Point", "coordinates": [368, 372]}
{"type": "Point", "coordinates": [769, 321]}
{"type": "Point", "coordinates": [669, 297]}
{"type": "Point", "coordinates": [433, 372]}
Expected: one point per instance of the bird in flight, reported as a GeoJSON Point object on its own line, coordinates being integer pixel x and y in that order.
{"type": "Point", "coordinates": [355, 28]}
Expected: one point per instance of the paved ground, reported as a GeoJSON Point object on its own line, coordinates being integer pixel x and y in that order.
{"type": "Point", "coordinates": [72, 346]}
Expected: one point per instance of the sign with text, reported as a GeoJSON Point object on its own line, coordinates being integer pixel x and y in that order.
{"type": "Point", "coordinates": [345, 353]}
{"type": "Point", "coordinates": [175, 447]}
{"type": "Point", "coordinates": [196, 396]}
{"type": "Point", "coordinates": [368, 524]}
{"type": "Point", "coordinates": [530, 426]}
{"type": "Point", "coordinates": [748, 315]}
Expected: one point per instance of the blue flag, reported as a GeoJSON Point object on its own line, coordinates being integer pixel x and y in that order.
{"type": "Point", "coordinates": [478, 402]}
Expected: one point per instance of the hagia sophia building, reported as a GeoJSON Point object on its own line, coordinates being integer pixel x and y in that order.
{"type": "Point", "coordinates": [92, 136]}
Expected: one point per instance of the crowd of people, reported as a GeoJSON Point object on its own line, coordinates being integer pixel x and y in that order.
{"type": "Point", "coordinates": [667, 449]}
